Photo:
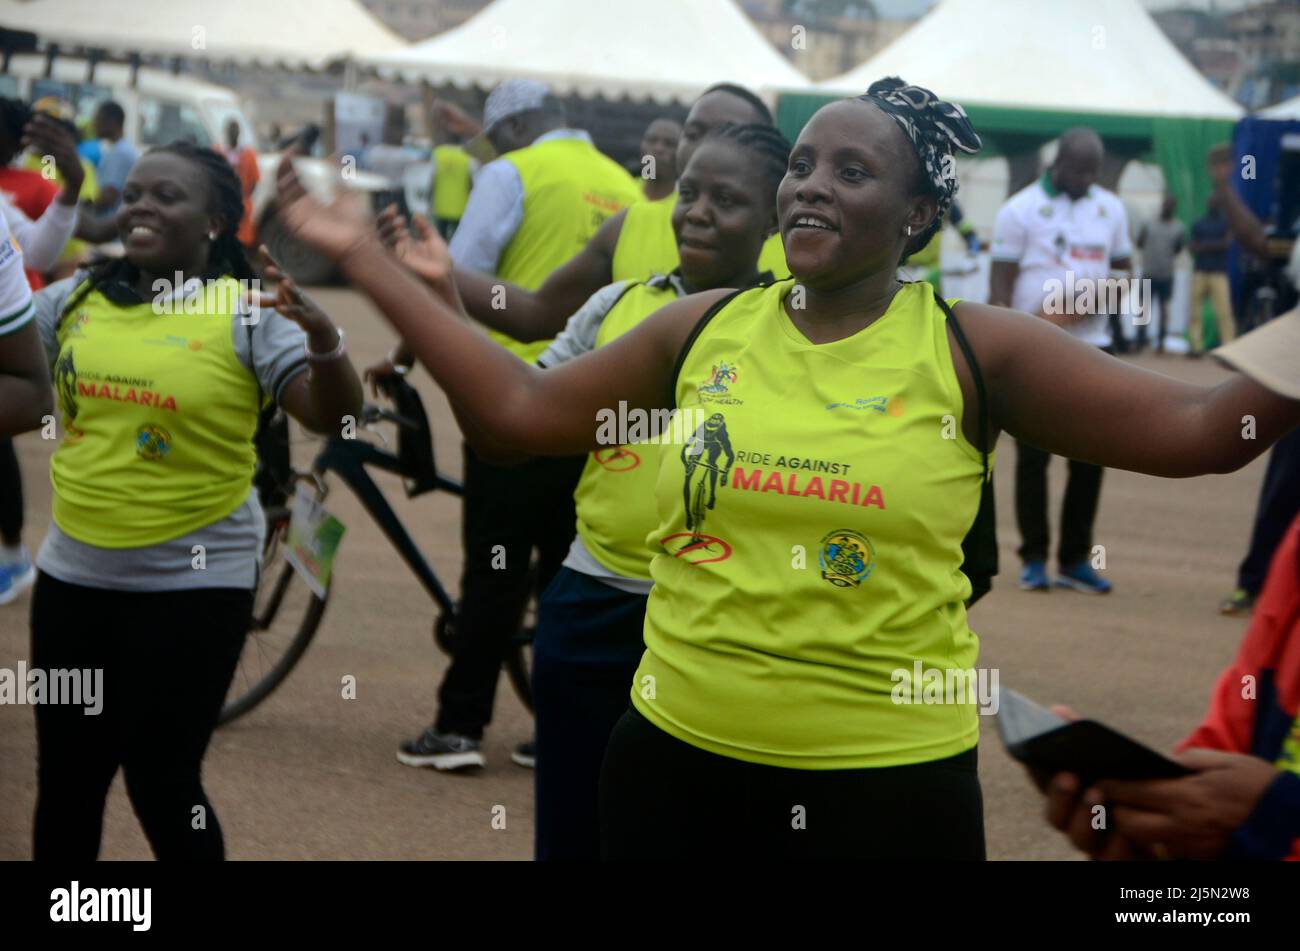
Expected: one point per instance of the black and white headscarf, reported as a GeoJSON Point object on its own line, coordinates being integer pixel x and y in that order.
{"type": "Point", "coordinates": [935, 128]}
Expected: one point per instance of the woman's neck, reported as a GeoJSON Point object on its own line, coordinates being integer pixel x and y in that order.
{"type": "Point", "coordinates": [824, 316]}
{"type": "Point", "coordinates": [741, 279]}
{"type": "Point", "coordinates": [146, 283]}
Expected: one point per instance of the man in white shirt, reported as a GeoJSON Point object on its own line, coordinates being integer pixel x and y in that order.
{"type": "Point", "coordinates": [1052, 240]}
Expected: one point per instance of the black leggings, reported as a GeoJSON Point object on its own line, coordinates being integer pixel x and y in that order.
{"type": "Point", "coordinates": [661, 798]}
{"type": "Point", "coordinates": [167, 659]}
{"type": "Point", "coordinates": [11, 495]}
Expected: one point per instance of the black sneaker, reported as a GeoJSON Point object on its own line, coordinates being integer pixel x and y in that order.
{"type": "Point", "coordinates": [525, 754]}
{"type": "Point", "coordinates": [441, 751]}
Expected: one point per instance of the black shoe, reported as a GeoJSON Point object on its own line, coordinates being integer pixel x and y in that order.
{"type": "Point", "coordinates": [441, 751]}
{"type": "Point", "coordinates": [525, 754]}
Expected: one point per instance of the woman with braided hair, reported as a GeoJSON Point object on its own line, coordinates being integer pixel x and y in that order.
{"type": "Point", "coordinates": [148, 570]}
{"type": "Point", "coordinates": [786, 704]}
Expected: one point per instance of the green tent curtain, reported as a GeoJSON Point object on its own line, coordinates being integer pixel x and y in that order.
{"type": "Point", "coordinates": [1178, 146]}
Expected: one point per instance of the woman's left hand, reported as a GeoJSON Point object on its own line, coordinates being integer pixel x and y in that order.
{"type": "Point", "coordinates": [291, 302]}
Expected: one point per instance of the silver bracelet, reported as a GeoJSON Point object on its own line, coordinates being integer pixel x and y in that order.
{"type": "Point", "coordinates": [334, 354]}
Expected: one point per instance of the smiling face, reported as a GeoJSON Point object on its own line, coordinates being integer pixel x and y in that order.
{"type": "Point", "coordinates": [166, 215]}
{"type": "Point", "coordinates": [852, 189]}
{"type": "Point", "coordinates": [710, 111]}
{"type": "Point", "coordinates": [724, 213]}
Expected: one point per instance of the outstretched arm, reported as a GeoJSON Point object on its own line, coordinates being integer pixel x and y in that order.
{"type": "Point", "coordinates": [541, 314]}
{"type": "Point", "coordinates": [1069, 398]}
{"type": "Point", "coordinates": [521, 407]}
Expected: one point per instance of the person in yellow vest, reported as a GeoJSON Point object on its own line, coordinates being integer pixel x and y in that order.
{"type": "Point", "coordinates": [452, 170]}
{"type": "Point", "coordinates": [657, 168]}
{"type": "Point", "coordinates": [629, 246]}
{"type": "Point", "coordinates": [529, 212]}
{"type": "Point", "coordinates": [808, 592]}
{"type": "Point", "coordinates": [148, 570]}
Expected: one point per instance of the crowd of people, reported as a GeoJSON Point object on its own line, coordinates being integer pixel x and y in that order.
{"type": "Point", "coordinates": [748, 284]}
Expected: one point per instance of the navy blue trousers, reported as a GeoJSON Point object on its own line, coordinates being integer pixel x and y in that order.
{"type": "Point", "coordinates": [585, 652]}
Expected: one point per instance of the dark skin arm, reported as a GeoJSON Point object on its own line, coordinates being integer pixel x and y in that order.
{"type": "Point", "coordinates": [1073, 400]}
{"type": "Point", "coordinates": [1046, 387]}
{"type": "Point", "coordinates": [541, 314]}
{"type": "Point", "coordinates": [94, 229]}
{"type": "Point", "coordinates": [26, 396]}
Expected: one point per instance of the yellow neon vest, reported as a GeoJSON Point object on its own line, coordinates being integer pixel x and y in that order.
{"type": "Point", "coordinates": [831, 555]}
{"type": "Point", "coordinates": [647, 244]}
{"type": "Point", "coordinates": [616, 495]}
{"type": "Point", "coordinates": [451, 182]}
{"type": "Point", "coordinates": [158, 417]}
{"type": "Point", "coordinates": [75, 248]}
{"type": "Point", "coordinates": [570, 188]}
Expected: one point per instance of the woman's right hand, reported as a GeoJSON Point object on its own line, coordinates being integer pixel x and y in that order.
{"type": "Point", "coordinates": [335, 228]}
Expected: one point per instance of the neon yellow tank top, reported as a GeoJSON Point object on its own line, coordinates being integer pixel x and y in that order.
{"type": "Point", "coordinates": [158, 419]}
{"type": "Point", "coordinates": [616, 494]}
{"type": "Point", "coordinates": [810, 536]}
{"type": "Point", "coordinates": [570, 188]}
{"type": "Point", "coordinates": [647, 244]}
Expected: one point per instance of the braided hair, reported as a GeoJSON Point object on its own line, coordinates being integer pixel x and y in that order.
{"type": "Point", "coordinates": [14, 116]}
{"type": "Point", "coordinates": [764, 142]}
{"type": "Point", "coordinates": [935, 129]}
{"type": "Point", "coordinates": [225, 257]}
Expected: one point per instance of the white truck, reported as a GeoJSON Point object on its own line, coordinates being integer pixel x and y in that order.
{"type": "Point", "coordinates": [161, 107]}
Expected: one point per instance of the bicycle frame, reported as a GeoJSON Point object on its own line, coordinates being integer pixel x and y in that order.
{"type": "Point", "coordinates": [348, 458]}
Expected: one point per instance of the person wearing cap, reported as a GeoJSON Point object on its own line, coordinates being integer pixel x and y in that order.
{"type": "Point", "coordinates": [529, 212]}
{"type": "Point", "coordinates": [1242, 799]}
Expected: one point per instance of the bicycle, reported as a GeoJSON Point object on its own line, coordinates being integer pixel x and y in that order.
{"type": "Point", "coordinates": [286, 611]}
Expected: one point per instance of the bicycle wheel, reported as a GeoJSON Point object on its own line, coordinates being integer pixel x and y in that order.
{"type": "Point", "coordinates": [286, 614]}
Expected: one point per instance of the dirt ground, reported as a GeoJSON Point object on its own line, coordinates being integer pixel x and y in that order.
{"type": "Point", "coordinates": [311, 775]}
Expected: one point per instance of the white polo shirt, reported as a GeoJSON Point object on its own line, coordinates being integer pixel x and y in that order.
{"type": "Point", "coordinates": [1054, 238]}
{"type": "Point", "coordinates": [15, 294]}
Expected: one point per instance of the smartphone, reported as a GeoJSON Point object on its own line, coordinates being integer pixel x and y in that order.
{"type": "Point", "coordinates": [1045, 742]}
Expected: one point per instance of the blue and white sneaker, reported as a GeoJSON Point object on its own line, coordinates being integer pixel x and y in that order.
{"type": "Point", "coordinates": [1033, 577]}
{"type": "Point", "coordinates": [1082, 577]}
{"type": "Point", "coordinates": [16, 577]}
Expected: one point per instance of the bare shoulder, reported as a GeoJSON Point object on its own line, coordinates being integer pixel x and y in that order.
{"type": "Point", "coordinates": [606, 236]}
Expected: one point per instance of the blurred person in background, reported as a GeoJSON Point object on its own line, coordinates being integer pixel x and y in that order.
{"type": "Point", "coordinates": [1160, 241]}
{"type": "Point", "coordinates": [1063, 228]}
{"type": "Point", "coordinates": [243, 159]}
{"type": "Point", "coordinates": [117, 155]}
{"type": "Point", "coordinates": [1279, 495]}
{"type": "Point", "coordinates": [659, 178]}
{"type": "Point", "coordinates": [529, 212]}
{"type": "Point", "coordinates": [1209, 247]}
{"type": "Point", "coordinates": [74, 251]}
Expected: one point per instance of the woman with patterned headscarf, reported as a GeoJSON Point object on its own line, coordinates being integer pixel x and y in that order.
{"type": "Point", "coordinates": [808, 686]}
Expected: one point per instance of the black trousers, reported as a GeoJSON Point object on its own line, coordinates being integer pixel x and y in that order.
{"type": "Point", "coordinates": [1078, 510]}
{"type": "Point", "coordinates": [661, 798]}
{"type": "Point", "coordinates": [167, 660]}
{"type": "Point", "coordinates": [11, 494]}
{"type": "Point", "coordinates": [1279, 501]}
{"type": "Point", "coordinates": [509, 512]}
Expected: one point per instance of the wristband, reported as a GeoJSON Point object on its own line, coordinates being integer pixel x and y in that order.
{"type": "Point", "coordinates": [334, 354]}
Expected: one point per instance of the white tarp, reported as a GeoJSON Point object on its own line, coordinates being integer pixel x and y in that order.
{"type": "Point", "coordinates": [1062, 55]}
{"type": "Point", "coordinates": [290, 32]}
{"type": "Point", "coordinates": [667, 50]}
{"type": "Point", "coordinates": [1290, 109]}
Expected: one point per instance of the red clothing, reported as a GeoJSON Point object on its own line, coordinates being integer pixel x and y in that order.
{"type": "Point", "coordinates": [244, 162]}
{"type": "Point", "coordinates": [1255, 703]}
{"type": "Point", "coordinates": [31, 193]}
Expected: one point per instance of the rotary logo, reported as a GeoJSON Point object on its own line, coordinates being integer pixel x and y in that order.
{"type": "Point", "coordinates": [846, 558]}
{"type": "Point", "coordinates": [152, 442]}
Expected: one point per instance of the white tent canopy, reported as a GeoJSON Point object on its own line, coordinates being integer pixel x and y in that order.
{"type": "Point", "coordinates": [1099, 56]}
{"type": "Point", "coordinates": [1290, 109]}
{"type": "Point", "coordinates": [290, 32]}
{"type": "Point", "coordinates": [667, 50]}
